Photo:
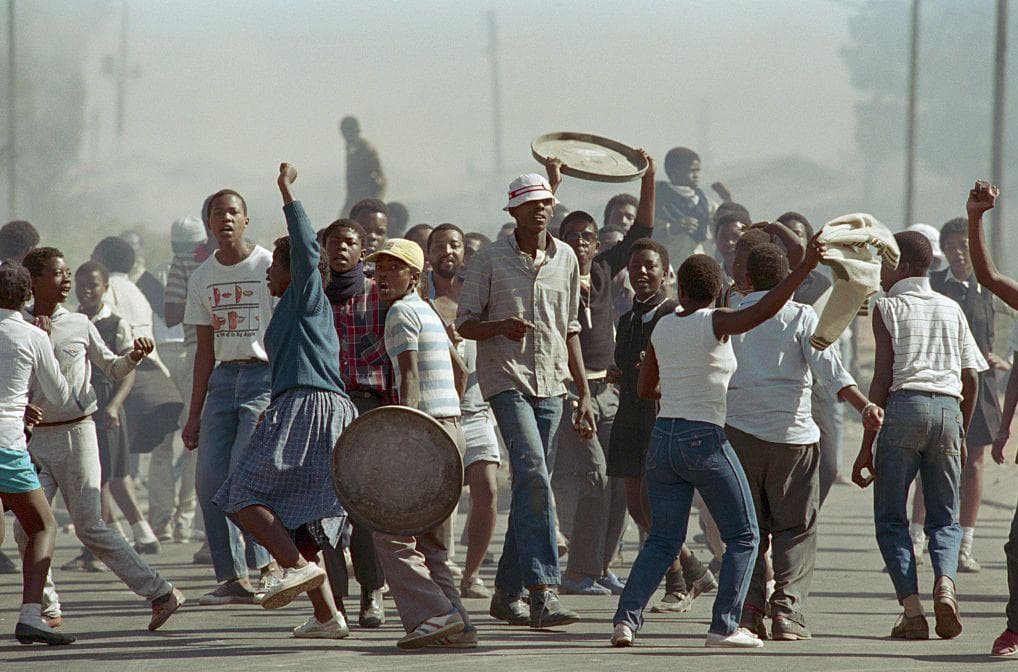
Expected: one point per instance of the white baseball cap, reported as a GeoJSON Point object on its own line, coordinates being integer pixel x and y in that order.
{"type": "Point", "coordinates": [529, 187]}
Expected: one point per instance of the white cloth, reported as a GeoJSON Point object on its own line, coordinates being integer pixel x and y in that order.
{"type": "Point", "coordinates": [930, 336]}
{"type": "Point", "coordinates": [26, 357]}
{"type": "Point", "coordinates": [694, 367]}
{"type": "Point", "coordinates": [125, 299]}
{"type": "Point", "coordinates": [77, 346]}
{"type": "Point", "coordinates": [777, 358]}
{"type": "Point", "coordinates": [235, 302]}
{"type": "Point", "coordinates": [857, 244]}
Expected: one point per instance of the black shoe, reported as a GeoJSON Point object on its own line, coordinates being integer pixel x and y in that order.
{"type": "Point", "coordinates": [147, 547]}
{"type": "Point", "coordinates": [26, 634]}
{"type": "Point", "coordinates": [8, 566]}
{"type": "Point", "coordinates": [547, 612]}
{"type": "Point", "coordinates": [372, 614]}
{"type": "Point", "coordinates": [508, 608]}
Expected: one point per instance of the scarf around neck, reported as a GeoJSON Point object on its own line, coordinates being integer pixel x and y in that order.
{"type": "Point", "coordinates": [343, 286]}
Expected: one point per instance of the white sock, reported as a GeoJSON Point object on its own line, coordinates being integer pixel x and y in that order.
{"type": "Point", "coordinates": [967, 533]}
{"type": "Point", "coordinates": [116, 526]}
{"type": "Point", "coordinates": [916, 531]}
{"type": "Point", "coordinates": [31, 614]}
{"type": "Point", "coordinates": [143, 532]}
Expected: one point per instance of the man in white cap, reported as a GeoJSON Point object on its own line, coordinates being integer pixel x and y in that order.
{"type": "Point", "coordinates": [520, 302]}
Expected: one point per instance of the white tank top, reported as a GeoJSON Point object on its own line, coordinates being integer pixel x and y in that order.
{"type": "Point", "coordinates": [694, 367]}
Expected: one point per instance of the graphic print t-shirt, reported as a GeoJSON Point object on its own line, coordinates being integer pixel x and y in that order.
{"type": "Point", "coordinates": [235, 302]}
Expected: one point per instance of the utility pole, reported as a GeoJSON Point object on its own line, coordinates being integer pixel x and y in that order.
{"type": "Point", "coordinates": [122, 76]}
{"type": "Point", "coordinates": [496, 92]}
{"type": "Point", "coordinates": [910, 141]}
{"type": "Point", "coordinates": [999, 92]}
{"type": "Point", "coordinates": [12, 115]}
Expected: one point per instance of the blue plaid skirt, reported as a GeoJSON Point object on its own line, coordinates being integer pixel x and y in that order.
{"type": "Point", "coordinates": [287, 467]}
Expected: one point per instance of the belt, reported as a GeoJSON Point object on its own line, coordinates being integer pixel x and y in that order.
{"type": "Point", "coordinates": [249, 360]}
{"type": "Point", "coordinates": [363, 394]}
{"type": "Point", "coordinates": [63, 422]}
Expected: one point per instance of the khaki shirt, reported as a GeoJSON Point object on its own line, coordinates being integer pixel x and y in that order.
{"type": "Point", "coordinates": [503, 282]}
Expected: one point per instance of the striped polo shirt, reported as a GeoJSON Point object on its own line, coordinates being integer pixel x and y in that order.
{"type": "Point", "coordinates": [930, 338]}
{"type": "Point", "coordinates": [411, 324]}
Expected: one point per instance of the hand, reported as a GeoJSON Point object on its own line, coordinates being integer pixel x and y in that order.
{"type": "Point", "coordinates": [997, 452]}
{"type": "Point", "coordinates": [863, 461]}
{"type": "Point", "coordinates": [454, 336]}
{"type": "Point", "coordinates": [982, 198]}
{"type": "Point", "coordinates": [287, 175]}
{"type": "Point", "coordinates": [143, 347]}
{"type": "Point", "coordinates": [613, 376]}
{"type": "Point", "coordinates": [109, 417]}
{"type": "Point", "coordinates": [814, 252]}
{"type": "Point", "coordinates": [651, 166]}
{"type": "Point", "coordinates": [43, 322]}
{"type": "Point", "coordinates": [189, 435]}
{"type": "Point", "coordinates": [872, 417]}
{"type": "Point", "coordinates": [554, 168]}
{"type": "Point", "coordinates": [997, 363]}
{"type": "Point", "coordinates": [33, 415]}
{"type": "Point", "coordinates": [721, 190]}
{"type": "Point", "coordinates": [583, 419]}
{"type": "Point", "coordinates": [514, 328]}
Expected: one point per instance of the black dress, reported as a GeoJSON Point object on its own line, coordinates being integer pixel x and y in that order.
{"type": "Point", "coordinates": [630, 436]}
{"type": "Point", "coordinates": [977, 304]}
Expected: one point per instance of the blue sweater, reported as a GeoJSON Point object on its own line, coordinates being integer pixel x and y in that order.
{"type": "Point", "coordinates": [301, 337]}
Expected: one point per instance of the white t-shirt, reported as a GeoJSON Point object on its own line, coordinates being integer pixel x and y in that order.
{"type": "Point", "coordinates": [235, 302]}
{"type": "Point", "coordinates": [694, 367]}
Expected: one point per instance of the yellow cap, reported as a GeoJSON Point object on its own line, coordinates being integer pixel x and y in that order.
{"type": "Point", "coordinates": [405, 250]}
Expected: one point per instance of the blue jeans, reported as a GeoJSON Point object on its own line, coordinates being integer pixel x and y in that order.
{"type": "Point", "coordinates": [922, 434]}
{"type": "Point", "coordinates": [237, 395]}
{"type": "Point", "coordinates": [685, 455]}
{"type": "Point", "coordinates": [528, 426]}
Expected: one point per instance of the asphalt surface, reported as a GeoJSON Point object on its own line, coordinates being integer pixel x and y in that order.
{"type": "Point", "coordinates": [851, 611]}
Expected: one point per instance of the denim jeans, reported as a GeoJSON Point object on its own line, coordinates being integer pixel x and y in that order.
{"type": "Point", "coordinates": [529, 426]}
{"type": "Point", "coordinates": [922, 434]}
{"type": "Point", "coordinates": [685, 455]}
{"type": "Point", "coordinates": [237, 395]}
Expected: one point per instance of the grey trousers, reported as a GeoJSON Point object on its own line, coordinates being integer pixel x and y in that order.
{"type": "Point", "coordinates": [68, 460]}
{"type": "Point", "coordinates": [420, 582]}
{"type": "Point", "coordinates": [591, 505]}
{"type": "Point", "coordinates": [783, 480]}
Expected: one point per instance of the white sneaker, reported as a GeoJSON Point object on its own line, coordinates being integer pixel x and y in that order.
{"type": "Point", "coordinates": [622, 635]}
{"type": "Point", "coordinates": [334, 628]}
{"type": "Point", "coordinates": [740, 639]}
{"type": "Point", "coordinates": [967, 564]}
{"type": "Point", "coordinates": [433, 630]}
{"type": "Point", "coordinates": [295, 580]}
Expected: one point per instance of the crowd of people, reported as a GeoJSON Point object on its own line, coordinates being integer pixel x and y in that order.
{"type": "Point", "coordinates": [671, 355]}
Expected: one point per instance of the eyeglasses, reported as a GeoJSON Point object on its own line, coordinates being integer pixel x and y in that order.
{"type": "Point", "coordinates": [588, 237]}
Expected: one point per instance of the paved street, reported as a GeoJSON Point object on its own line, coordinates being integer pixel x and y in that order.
{"type": "Point", "coordinates": [851, 613]}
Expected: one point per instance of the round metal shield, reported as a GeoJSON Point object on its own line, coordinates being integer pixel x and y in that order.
{"type": "Point", "coordinates": [590, 157]}
{"type": "Point", "coordinates": [396, 470]}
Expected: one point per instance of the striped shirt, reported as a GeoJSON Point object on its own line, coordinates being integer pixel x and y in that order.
{"type": "Point", "coordinates": [411, 325]}
{"type": "Point", "coordinates": [181, 269]}
{"type": "Point", "coordinates": [930, 338]}
{"type": "Point", "coordinates": [504, 282]}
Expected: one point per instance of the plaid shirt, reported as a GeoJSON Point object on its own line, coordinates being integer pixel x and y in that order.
{"type": "Point", "coordinates": [360, 325]}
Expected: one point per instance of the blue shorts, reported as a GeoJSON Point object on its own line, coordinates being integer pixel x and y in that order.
{"type": "Point", "coordinates": [17, 473]}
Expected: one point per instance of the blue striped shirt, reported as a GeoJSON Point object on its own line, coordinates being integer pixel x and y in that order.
{"type": "Point", "coordinates": [411, 324]}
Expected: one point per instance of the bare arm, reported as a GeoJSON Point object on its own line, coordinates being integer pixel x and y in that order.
{"type": "Point", "coordinates": [730, 322]}
{"type": "Point", "coordinates": [204, 362]}
{"type": "Point", "coordinates": [460, 373]}
{"type": "Point", "coordinates": [792, 242]}
{"type": "Point", "coordinates": [481, 330]}
{"type": "Point", "coordinates": [880, 389]}
{"type": "Point", "coordinates": [409, 379]}
{"type": "Point", "coordinates": [585, 424]}
{"type": "Point", "coordinates": [648, 384]}
{"type": "Point", "coordinates": [174, 314]}
{"type": "Point", "coordinates": [969, 395]}
{"type": "Point", "coordinates": [648, 194]}
{"type": "Point", "coordinates": [1010, 401]}
{"type": "Point", "coordinates": [981, 199]}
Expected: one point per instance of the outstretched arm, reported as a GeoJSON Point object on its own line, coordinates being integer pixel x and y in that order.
{"type": "Point", "coordinates": [981, 199]}
{"type": "Point", "coordinates": [729, 322]}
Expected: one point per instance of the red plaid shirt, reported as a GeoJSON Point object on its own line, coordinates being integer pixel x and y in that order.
{"type": "Point", "coordinates": [360, 325]}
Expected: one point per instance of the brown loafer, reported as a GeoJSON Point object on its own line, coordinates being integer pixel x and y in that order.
{"type": "Point", "coordinates": [945, 608]}
{"type": "Point", "coordinates": [164, 606]}
{"type": "Point", "coordinates": [911, 627]}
